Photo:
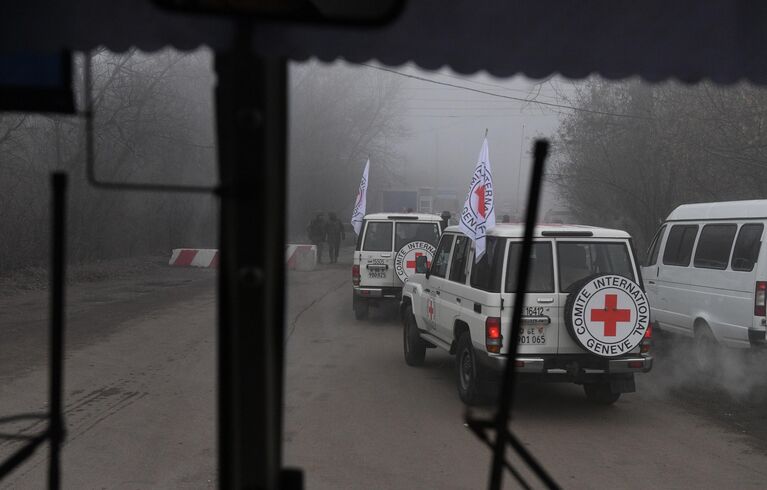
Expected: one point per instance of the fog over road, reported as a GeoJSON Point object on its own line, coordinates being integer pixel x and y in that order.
{"type": "Point", "coordinates": [140, 400]}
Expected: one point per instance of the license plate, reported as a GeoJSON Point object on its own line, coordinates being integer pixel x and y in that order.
{"type": "Point", "coordinates": [532, 336]}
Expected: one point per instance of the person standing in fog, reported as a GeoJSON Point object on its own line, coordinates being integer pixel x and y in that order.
{"type": "Point", "coordinates": [334, 231]}
{"type": "Point", "coordinates": [317, 234]}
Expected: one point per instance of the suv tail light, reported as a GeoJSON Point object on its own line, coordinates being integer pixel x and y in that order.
{"type": "Point", "coordinates": [493, 337]}
{"type": "Point", "coordinates": [356, 275]}
{"type": "Point", "coordinates": [646, 340]}
{"type": "Point", "coordinates": [760, 298]}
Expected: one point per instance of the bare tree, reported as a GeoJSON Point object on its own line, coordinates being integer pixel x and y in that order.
{"type": "Point", "coordinates": [339, 117]}
{"type": "Point", "coordinates": [665, 145]}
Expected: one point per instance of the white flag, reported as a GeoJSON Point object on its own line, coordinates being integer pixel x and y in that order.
{"type": "Point", "coordinates": [359, 205]}
{"type": "Point", "coordinates": [478, 213]}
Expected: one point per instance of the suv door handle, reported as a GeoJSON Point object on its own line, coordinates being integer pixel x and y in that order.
{"type": "Point", "coordinates": [545, 300]}
{"type": "Point", "coordinates": [458, 299]}
{"type": "Point", "coordinates": [437, 291]}
{"type": "Point", "coordinates": [386, 256]}
{"type": "Point", "coordinates": [650, 282]}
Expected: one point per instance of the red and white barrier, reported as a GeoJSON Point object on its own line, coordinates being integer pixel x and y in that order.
{"type": "Point", "coordinates": [297, 257]}
{"type": "Point", "coordinates": [194, 257]}
{"type": "Point", "coordinates": [301, 257]}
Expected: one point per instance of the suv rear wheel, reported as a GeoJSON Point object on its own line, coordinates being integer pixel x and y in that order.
{"type": "Point", "coordinates": [414, 346]}
{"type": "Point", "coordinates": [361, 308]}
{"type": "Point", "coordinates": [600, 393]}
{"type": "Point", "coordinates": [467, 371]}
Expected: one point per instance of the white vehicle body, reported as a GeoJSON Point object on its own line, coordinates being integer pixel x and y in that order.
{"type": "Point", "coordinates": [385, 254]}
{"type": "Point", "coordinates": [705, 272]}
{"type": "Point", "coordinates": [456, 296]}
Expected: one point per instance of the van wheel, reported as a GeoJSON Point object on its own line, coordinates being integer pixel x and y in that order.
{"type": "Point", "coordinates": [706, 350]}
{"type": "Point", "coordinates": [414, 346]}
{"type": "Point", "coordinates": [467, 371]}
{"type": "Point", "coordinates": [361, 308]}
{"type": "Point", "coordinates": [600, 393]}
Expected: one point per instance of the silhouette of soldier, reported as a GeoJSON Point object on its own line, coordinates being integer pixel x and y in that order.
{"type": "Point", "coordinates": [317, 234]}
{"type": "Point", "coordinates": [334, 231]}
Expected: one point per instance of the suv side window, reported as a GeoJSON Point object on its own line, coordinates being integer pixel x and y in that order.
{"type": "Point", "coordinates": [358, 244]}
{"type": "Point", "coordinates": [747, 247]}
{"type": "Point", "coordinates": [439, 266]}
{"type": "Point", "coordinates": [679, 244]}
{"type": "Point", "coordinates": [652, 252]}
{"type": "Point", "coordinates": [378, 236]}
{"type": "Point", "coordinates": [541, 275]}
{"type": "Point", "coordinates": [458, 265]}
{"type": "Point", "coordinates": [714, 245]}
{"type": "Point", "coordinates": [486, 274]}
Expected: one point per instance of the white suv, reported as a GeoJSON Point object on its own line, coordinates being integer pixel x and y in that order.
{"type": "Point", "coordinates": [585, 317]}
{"type": "Point", "coordinates": [387, 248]}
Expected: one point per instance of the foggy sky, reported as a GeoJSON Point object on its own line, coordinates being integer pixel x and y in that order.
{"type": "Point", "coordinates": [446, 127]}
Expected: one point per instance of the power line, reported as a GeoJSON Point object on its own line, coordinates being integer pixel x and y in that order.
{"type": "Point", "coordinates": [509, 97]}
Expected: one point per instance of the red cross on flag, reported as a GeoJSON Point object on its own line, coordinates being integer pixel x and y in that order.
{"type": "Point", "coordinates": [361, 201]}
{"type": "Point", "coordinates": [478, 213]}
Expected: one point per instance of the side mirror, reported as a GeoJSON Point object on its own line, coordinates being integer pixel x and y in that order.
{"type": "Point", "coordinates": [420, 265]}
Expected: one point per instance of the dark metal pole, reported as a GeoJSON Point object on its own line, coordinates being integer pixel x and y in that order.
{"type": "Point", "coordinates": [251, 106]}
{"type": "Point", "coordinates": [58, 236]}
{"type": "Point", "coordinates": [505, 402]}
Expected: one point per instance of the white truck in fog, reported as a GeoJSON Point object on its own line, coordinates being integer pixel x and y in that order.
{"type": "Point", "coordinates": [585, 318]}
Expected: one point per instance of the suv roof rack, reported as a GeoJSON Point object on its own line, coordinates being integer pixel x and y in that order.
{"type": "Point", "coordinates": [566, 233]}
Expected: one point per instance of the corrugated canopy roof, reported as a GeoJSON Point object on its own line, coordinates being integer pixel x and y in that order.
{"type": "Point", "coordinates": [657, 40]}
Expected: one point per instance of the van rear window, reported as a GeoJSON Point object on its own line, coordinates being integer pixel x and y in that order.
{"type": "Point", "coordinates": [378, 236]}
{"type": "Point", "coordinates": [747, 247]}
{"type": "Point", "coordinates": [679, 245]}
{"type": "Point", "coordinates": [579, 260]}
{"type": "Point", "coordinates": [714, 245]}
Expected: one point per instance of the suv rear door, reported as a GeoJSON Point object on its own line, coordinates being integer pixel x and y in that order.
{"type": "Point", "coordinates": [541, 317]}
{"type": "Point", "coordinates": [376, 257]}
{"type": "Point", "coordinates": [577, 259]}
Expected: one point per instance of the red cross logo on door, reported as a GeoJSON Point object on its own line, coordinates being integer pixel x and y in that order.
{"type": "Point", "coordinates": [430, 309]}
{"type": "Point", "coordinates": [610, 315]}
{"type": "Point", "coordinates": [411, 263]}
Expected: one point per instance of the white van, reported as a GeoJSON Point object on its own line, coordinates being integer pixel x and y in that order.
{"type": "Point", "coordinates": [706, 276]}
{"type": "Point", "coordinates": [387, 248]}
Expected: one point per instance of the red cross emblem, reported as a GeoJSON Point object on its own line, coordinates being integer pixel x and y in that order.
{"type": "Point", "coordinates": [411, 263]}
{"type": "Point", "coordinates": [610, 315]}
{"type": "Point", "coordinates": [430, 309]}
{"type": "Point", "coordinates": [479, 191]}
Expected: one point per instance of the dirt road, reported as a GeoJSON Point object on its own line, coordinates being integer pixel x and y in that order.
{"type": "Point", "coordinates": [140, 400]}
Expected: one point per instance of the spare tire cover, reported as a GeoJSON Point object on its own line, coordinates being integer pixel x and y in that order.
{"type": "Point", "coordinates": [404, 261]}
{"type": "Point", "coordinates": [607, 314]}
